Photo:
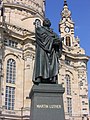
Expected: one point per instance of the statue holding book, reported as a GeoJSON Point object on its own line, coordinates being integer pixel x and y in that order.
{"type": "Point", "coordinates": [48, 52]}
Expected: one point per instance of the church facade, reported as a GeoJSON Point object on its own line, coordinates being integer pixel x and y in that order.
{"type": "Point", "coordinates": [17, 55]}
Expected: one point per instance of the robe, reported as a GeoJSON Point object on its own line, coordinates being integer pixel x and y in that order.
{"type": "Point", "coordinates": [47, 54]}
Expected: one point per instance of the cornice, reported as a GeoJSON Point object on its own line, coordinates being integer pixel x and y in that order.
{"type": "Point", "coordinates": [17, 32]}
{"type": "Point", "coordinates": [64, 22]}
{"type": "Point", "coordinates": [76, 56]}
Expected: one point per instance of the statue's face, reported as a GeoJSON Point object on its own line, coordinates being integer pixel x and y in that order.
{"type": "Point", "coordinates": [47, 22]}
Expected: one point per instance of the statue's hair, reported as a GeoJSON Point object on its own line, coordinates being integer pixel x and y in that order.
{"type": "Point", "coordinates": [46, 22]}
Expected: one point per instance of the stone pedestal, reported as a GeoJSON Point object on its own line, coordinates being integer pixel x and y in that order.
{"type": "Point", "coordinates": [47, 102]}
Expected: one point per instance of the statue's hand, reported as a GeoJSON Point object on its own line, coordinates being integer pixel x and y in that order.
{"type": "Point", "coordinates": [58, 41]}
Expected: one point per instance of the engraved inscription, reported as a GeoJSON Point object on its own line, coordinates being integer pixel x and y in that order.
{"type": "Point", "coordinates": [45, 106]}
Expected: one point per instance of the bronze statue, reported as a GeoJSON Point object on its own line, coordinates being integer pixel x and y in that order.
{"type": "Point", "coordinates": [48, 51]}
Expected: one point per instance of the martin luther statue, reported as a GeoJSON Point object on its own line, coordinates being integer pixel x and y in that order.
{"type": "Point", "coordinates": [48, 52]}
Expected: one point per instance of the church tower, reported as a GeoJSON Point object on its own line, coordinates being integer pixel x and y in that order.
{"type": "Point", "coordinates": [73, 70]}
{"type": "Point", "coordinates": [17, 51]}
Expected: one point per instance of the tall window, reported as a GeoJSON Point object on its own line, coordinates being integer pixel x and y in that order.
{"type": "Point", "coordinates": [10, 78]}
{"type": "Point", "coordinates": [68, 41]}
{"type": "Point", "coordinates": [68, 84]}
{"type": "Point", "coordinates": [11, 71]}
{"type": "Point", "coordinates": [69, 105]}
{"type": "Point", "coordinates": [10, 98]}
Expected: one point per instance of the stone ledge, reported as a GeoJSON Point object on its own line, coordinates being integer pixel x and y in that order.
{"type": "Point", "coordinates": [47, 88]}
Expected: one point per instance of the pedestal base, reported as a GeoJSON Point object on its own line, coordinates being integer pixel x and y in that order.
{"type": "Point", "coordinates": [47, 102]}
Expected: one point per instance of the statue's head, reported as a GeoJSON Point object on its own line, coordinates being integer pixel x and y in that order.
{"type": "Point", "coordinates": [46, 22]}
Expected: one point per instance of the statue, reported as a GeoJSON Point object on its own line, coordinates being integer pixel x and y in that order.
{"type": "Point", "coordinates": [48, 51]}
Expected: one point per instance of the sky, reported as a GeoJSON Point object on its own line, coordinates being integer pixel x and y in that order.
{"type": "Point", "coordinates": [81, 17]}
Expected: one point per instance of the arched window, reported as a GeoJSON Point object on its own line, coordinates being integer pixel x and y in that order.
{"type": "Point", "coordinates": [11, 71]}
{"type": "Point", "coordinates": [68, 84]}
{"type": "Point", "coordinates": [10, 90]}
{"type": "Point", "coordinates": [68, 41]}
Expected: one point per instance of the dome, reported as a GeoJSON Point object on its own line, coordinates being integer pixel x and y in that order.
{"type": "Point", "coordinates": [22, 13]}
{"type": "Point", "coordinates": [34, 5]}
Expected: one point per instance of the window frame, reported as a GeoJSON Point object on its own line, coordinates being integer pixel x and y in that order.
{"type": "Point", "coordinates": [68, 41]}
{"type": "Point", "coordinates": [10, 98]}
{"type": "Point", "coordinates": [69, 105]}
{"type": "Point", "coordinates": [11, 71]}
{"type": "Point", "coordinates": [68, 84]}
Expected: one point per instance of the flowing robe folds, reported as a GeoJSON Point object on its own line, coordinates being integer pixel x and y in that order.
{"type": "Point", "coordinates": [47, 54]}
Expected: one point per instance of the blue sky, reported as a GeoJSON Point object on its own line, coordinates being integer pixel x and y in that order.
{"type": "Point", "coordinates": [81, 16]}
